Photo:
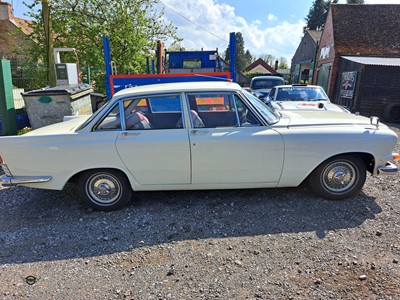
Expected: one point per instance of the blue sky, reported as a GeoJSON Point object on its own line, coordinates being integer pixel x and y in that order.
{"type": "Point", "coordinates": [268, 26]}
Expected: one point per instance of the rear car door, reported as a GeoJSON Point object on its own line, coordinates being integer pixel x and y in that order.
{"type": "Point", "coordinates": [151, 145]}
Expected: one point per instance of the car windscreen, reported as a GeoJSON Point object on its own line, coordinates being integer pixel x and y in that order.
{"type": "Point", "coordinates": [303, 93]}
{"type": "Point", "coordinates": [259, 84]}
{"type": "Point", "coordinates": [270, 116]}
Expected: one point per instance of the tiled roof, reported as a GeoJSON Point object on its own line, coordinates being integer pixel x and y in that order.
{"type": "Point", "coordinates": [260, 62]}
{"type": "Point", "coordinates": [23, 25]}
{"type": "Point", "coordinates": [315, 34]}
{"type": "Point", "coordinates": [366, 29]}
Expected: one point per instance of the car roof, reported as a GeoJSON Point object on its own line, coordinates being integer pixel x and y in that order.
{"type": "Point", "coordinates": [181, 87]}
{"type": "Point", "coordinates": [267, 77]}
{"type": "Point", "coordinates": [297, 85]}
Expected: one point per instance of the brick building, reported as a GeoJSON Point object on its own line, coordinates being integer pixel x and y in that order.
{"type": "Point", "coordinates": [356, 30]}
{"type": "Point", "coordinates": [359, 55]}
{"type": "Point", "coordinates": [14, 33]}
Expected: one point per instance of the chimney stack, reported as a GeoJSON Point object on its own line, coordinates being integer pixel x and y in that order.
{"type": "Point", "coordinates": [5, 11]}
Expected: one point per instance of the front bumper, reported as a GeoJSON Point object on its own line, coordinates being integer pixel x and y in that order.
{"type": "Point", "coordinates": [389, 169]}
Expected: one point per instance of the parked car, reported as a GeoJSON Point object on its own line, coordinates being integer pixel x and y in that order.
{"type": "Point", "coordinates": [301, 96]}
{"type": "Point", "coordinates": [262, 85]}
{"type": "Point", "coordinates": [198, 135]}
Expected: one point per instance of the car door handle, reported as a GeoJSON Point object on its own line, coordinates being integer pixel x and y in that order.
{"type": "Point", "coordinates": [195, 131]}
{"type": "Point", "coordinates": [130, 133]}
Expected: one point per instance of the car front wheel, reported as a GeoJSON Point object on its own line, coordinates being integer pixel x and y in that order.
{"type": "Point", "coordinates": [339, 177]}
{"type": "Point", "coordinates": [104, 189]}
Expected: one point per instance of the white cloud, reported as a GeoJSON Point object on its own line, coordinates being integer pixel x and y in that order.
{"type": "Point", "coordinates": [211, 22]}
{"type": "Point", "coordinates": [272, 17]}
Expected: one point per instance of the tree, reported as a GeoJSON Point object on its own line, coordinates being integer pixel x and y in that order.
{"type": "Point", "coordinates": [317, 15]}
{"type": "Point", "coordinates": [269, 59]}
{"type": "Point", "coordinates": [242, 58]}
{"type": "Point", "coordinates": [133, 27]}
{"type": "Point", "coordinates": [283, 63]}
{"type": "Point", "coordinates": [248, 58]}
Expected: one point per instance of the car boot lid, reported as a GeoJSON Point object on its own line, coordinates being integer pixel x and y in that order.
{"type": "Point", "coordinates": [62, 127]}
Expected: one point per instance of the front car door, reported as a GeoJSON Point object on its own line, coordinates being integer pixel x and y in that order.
{"type": "Point", "coordinates": [234, 146]}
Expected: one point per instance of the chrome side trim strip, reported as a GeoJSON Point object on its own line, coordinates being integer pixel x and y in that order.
{"type": "Point", "coordinates": [7, 180]}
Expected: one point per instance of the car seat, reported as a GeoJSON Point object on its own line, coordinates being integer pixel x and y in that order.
{"type": "Point", "coordinates": [136, 120]}
{"type": "Point", "coordinates": [196, 120]}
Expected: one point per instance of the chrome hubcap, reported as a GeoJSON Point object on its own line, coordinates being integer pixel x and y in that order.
{"type": "Point", "coordinates": [104, 188]}
{"type": "Point", "coordinates": [339, 177]}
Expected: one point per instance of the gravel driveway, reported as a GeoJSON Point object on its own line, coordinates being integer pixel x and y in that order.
{"type": "Point", "coordinates": [235, 244]}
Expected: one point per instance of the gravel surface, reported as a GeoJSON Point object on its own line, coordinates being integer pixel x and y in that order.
{"type": "Point", "coordinates": [235, 244]}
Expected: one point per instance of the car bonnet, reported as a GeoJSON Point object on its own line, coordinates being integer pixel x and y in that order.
{"type": "Point", "coordinates": [322, 118]}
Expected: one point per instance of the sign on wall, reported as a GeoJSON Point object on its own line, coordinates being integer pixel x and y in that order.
{"type": "Point", "coordinates": [325, 52]}
{"type": "Point", "coordinates": [347, 84]}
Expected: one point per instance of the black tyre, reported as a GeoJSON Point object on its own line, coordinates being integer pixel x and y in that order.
{"type": "Point", "coordinates": [392, 113]}
{"type": "Point", "coordinates": [339, 177]}
{"type": "Point", "coordinates": [105, 189]}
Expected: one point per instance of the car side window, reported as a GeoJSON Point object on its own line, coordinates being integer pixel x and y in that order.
{"type": "Point", "coordinates": [111, 120]}
{"type": "Point", "coordinates": [246, 117]}
{"type": "Point", "coordinates": [212, 110]}
{"type": "Point", "coordinates": [271, 94]}
{"type": "Point", "coordinates": [153, 112]}
{"type": "Point", "coordinates": [144, 113]}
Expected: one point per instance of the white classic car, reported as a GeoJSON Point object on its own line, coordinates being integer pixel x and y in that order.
{"type": "Point", "coordinates": [301, 96]}
{"type": "Point", "coordinates": [209, 135]}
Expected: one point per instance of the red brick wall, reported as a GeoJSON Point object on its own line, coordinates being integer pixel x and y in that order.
{"type": "Point", "coordinates": [13, 42]}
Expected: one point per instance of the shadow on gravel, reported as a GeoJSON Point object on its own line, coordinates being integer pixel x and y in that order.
{"type": "Point", "coordinates": [41, 225]}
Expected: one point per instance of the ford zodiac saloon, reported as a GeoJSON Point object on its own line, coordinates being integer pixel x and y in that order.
{"type": "Point", "coordinates": [198, 135]}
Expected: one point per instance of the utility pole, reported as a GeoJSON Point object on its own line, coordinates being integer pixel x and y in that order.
{"type": "Point", "coordinates": [51, 74]}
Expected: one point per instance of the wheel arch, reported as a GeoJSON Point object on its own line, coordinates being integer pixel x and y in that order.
{"type": "Point", "coordinates": [367, 158]}
{"type": "Point", "coordinates": [340, 176]}
{"type": "Point", "coordinates": [75, 178]}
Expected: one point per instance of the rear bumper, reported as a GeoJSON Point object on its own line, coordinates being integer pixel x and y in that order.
{"type": "Point", "coordinates": [388, 169]}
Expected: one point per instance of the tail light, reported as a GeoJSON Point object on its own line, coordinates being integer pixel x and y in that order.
{"type": "Point", "coordinates": [1, 160]}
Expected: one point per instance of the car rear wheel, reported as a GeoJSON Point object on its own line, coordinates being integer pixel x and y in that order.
{"type": "Point", "coordinates": [105, 189]}
{"type": "Point", "coordinates": [339, 177]}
